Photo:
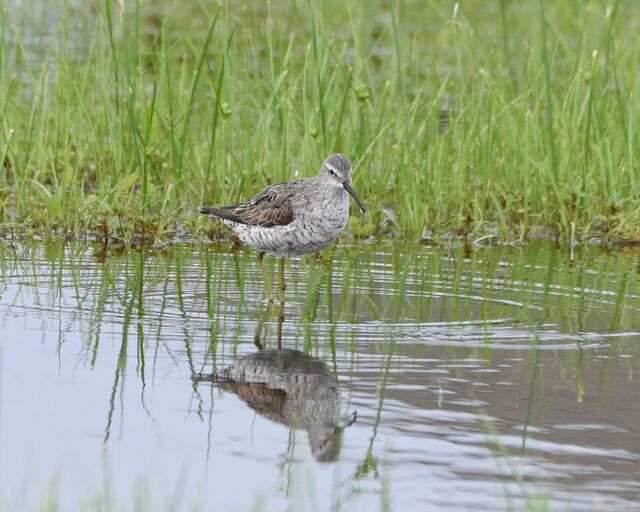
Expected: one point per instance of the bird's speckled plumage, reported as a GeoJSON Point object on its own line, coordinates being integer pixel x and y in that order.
{"type": "Point", "coordinates": [297, 217]}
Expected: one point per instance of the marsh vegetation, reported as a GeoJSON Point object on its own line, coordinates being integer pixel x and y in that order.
{"type": "Point", "coordinates": [497, 120]}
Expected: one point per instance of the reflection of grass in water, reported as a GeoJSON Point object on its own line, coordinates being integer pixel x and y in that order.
{"type": "Point", "coordinates": [124, 281]}
{"type": "Point", "coordinates": [168, 107]}
{"type": "Point", "coordinates": [150, 291]}
{"type": "Point", "coordinates": [396, 285]}
{"type": "Point", "coordinates": [534, 501]}
{"type": "Point", "coordinates": [145, 494]}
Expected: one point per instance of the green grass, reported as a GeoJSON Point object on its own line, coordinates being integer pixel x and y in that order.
{"type": "Point", "coordinates": [121, 123]}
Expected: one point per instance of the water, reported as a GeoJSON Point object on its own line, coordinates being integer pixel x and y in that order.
{"type": "Point", "coordinates": [501, 379]}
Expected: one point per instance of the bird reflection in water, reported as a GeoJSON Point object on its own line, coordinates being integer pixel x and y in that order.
{"type": "Point", "coordinates": [291, 388]}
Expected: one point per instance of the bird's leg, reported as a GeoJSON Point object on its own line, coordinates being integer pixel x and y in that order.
{"type": "Point", "coordinates": [267, 285]}
{"type": "Point", "coordinates": [283, 287]}
{"type": "Point", "coordinates": [280, 320]}
{"type": "Point", "coordinates": [256, 338]}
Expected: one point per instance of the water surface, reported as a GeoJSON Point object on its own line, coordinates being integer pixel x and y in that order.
{"type": "Point", "coordinates": [409, 376]}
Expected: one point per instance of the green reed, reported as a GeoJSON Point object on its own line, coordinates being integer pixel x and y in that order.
{"type": "Point", "coordinates": [497, 121]}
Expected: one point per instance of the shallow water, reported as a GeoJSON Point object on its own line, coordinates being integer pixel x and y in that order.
{"type": "Point", "coordinates": [496, 380]}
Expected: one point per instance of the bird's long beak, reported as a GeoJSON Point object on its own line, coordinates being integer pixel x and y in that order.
{"type": "Point", "coordinates": [348, 188]}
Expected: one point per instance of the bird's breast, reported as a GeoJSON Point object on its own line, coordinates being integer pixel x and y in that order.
{"type": "Point", "coordinates": [328, 211]}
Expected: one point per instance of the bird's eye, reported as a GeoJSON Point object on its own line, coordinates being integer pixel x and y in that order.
{"type": "Point", "coordinates": [332, 172]}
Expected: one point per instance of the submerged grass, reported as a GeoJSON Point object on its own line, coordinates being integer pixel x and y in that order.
{"type": "Point", "coordinates": [504, 121]}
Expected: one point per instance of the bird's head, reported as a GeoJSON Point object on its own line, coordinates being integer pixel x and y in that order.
{"type": "Point", "coordinates": [337, 168]}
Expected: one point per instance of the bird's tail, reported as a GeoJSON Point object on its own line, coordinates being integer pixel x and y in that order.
{"type": "Point", "coordinates": [227, 213]}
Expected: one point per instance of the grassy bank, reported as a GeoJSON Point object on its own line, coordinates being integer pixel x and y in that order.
{"type": "Point", "coordinates": [506, 120]}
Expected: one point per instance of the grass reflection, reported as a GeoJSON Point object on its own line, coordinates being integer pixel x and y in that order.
{"type": "Point", "coordinates": [418, 341]}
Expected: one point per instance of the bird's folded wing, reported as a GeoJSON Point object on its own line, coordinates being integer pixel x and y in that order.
{"type": "Point", "coordinates": [271, 207]}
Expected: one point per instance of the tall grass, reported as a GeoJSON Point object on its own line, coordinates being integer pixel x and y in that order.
{"type": "Point", "coordinates": [121, 119]}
